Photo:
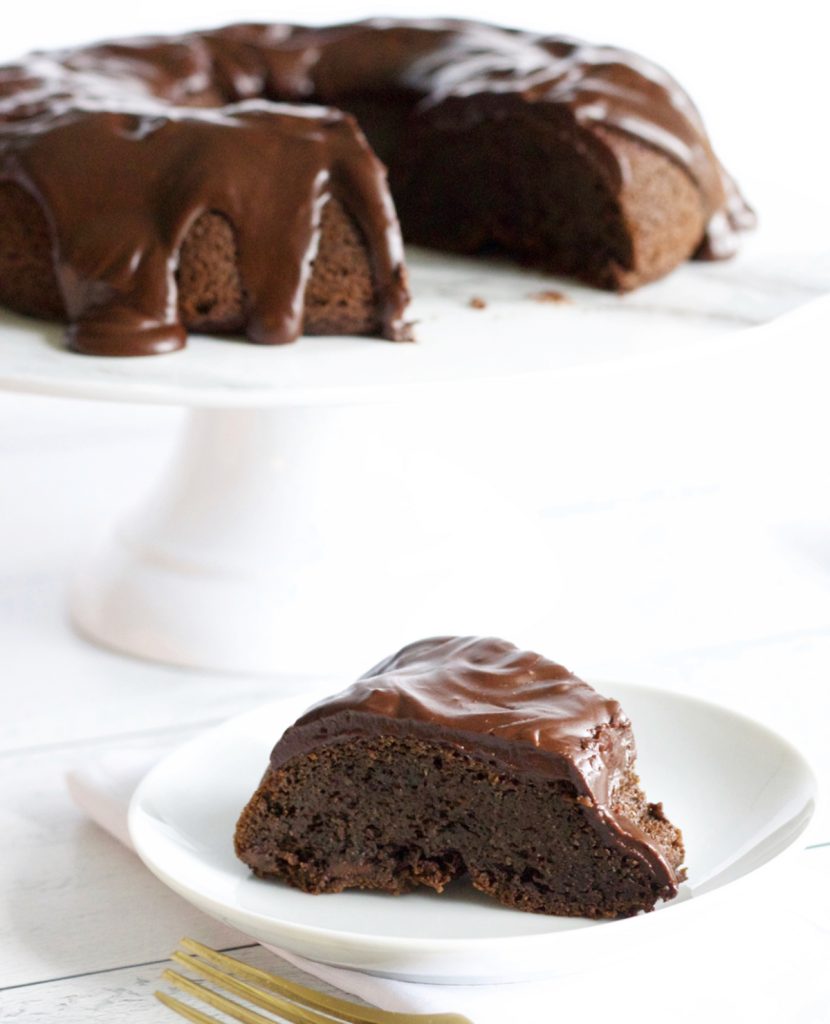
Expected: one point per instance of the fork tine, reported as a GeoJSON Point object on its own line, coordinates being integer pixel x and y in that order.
{"type": "Point", "coordinates": [189, 1012]}
{"type": "Point", "coordinates": [264, 1000]}
{"type": "Point", "coordinates": [219, 1002]}
{"type": "Point", "coordinates": [348, 1012]}
{"type": "Point", "coordinates": [342, 1009]}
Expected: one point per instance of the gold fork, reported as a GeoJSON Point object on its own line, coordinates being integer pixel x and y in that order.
{"type": "Point", "coordinates": [288, 1000]}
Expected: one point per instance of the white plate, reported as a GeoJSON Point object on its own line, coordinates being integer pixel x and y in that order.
{"type": "Point", "coordinates": [741, 794]}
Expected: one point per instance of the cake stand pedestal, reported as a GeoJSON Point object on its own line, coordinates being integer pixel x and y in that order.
{"type": "Point", "coordinates": [290, 538]}
{"type": "Point", "coordinates": [315, 515]}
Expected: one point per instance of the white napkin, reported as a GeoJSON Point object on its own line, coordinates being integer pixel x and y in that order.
{"type": "Point", "coordinates": [766, 963]}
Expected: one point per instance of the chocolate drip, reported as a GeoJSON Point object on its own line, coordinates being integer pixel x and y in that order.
{"type": "Point", "coordinates": [125, 144]}
{"type": "Point", "coordinates": [497, 703]}
{"type": "Point", "coordinates": [122, 180]}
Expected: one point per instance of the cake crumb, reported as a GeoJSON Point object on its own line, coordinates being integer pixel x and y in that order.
{"type": "Point", "coordinates": [550, 295]}
{"type": "Point", "coordinates": [407, 331]}
{"type": "Point", "coordinates": [476, 302]}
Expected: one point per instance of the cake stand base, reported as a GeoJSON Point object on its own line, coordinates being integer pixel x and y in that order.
{"type": "Point", "coordinates": [299, 539]}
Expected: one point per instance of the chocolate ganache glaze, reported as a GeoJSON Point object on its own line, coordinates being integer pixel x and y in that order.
{"type": "Point", "coordinates": [125, 144]}
{"type": "Point", "coordinates": [491, 700]}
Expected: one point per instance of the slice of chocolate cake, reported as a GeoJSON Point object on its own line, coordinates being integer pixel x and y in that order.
{"type": "Point", "coordinates": [462, 755]}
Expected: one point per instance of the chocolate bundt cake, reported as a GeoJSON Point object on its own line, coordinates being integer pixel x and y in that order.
{"type": "Point", "coordinates": [465, 756]}
{"type": "Point", "coordinates": [205, 181]}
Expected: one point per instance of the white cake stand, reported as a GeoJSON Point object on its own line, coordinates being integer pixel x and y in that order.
{"type": "Point", "coordinates": [312, 515]}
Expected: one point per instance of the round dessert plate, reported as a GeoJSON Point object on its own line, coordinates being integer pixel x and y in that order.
{"type": "Point", "coordinates": [741, 794]}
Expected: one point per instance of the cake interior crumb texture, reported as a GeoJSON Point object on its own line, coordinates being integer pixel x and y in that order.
{"type": "Point", "coordinates": [395, 813]}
